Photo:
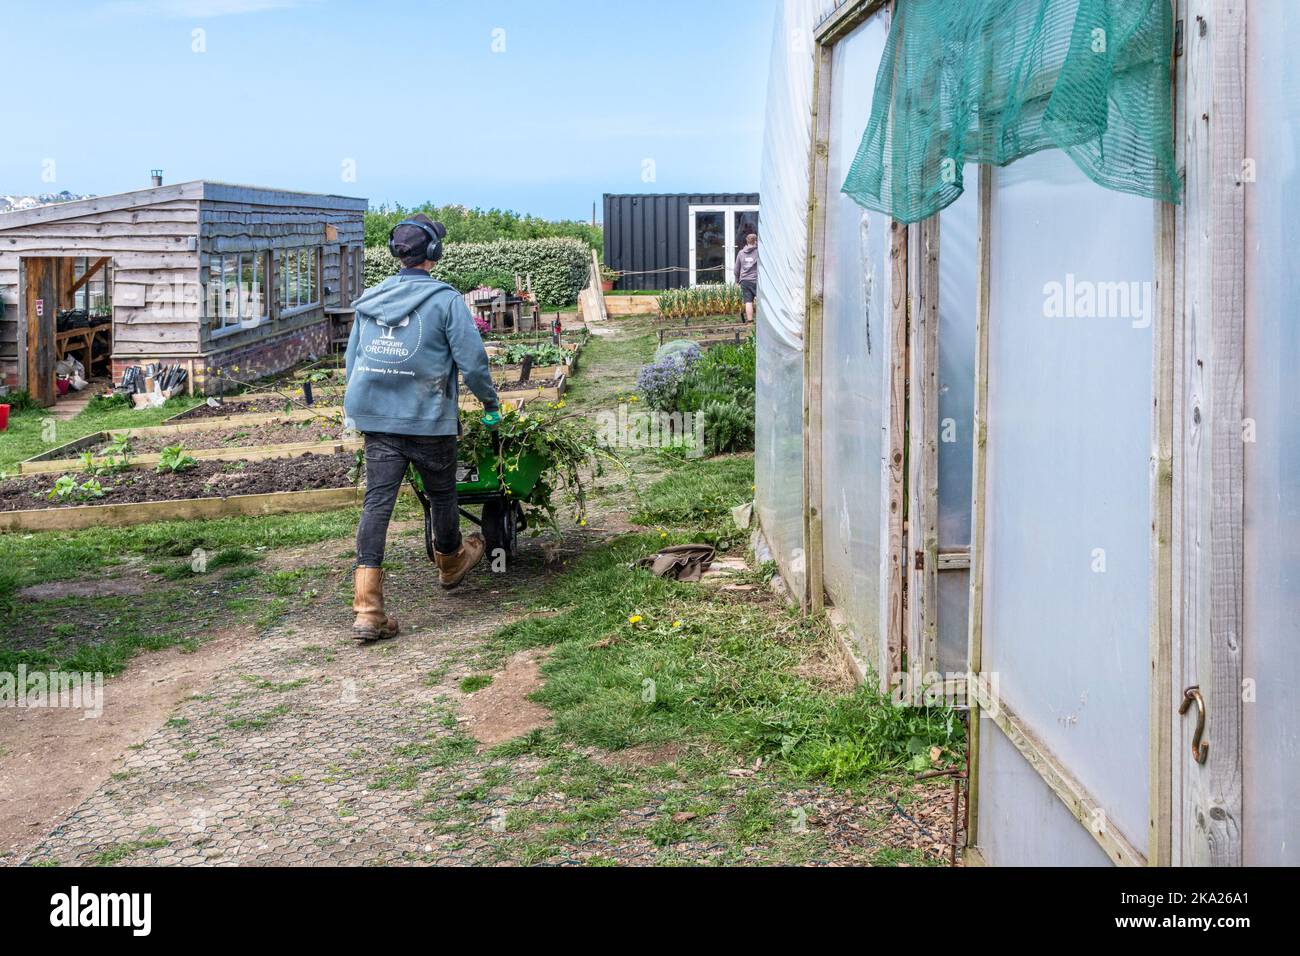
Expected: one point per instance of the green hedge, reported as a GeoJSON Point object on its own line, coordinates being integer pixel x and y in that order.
{"type": "Point", "coordinates": [480, 225]}
{"type": "Point", "coordinates": [380, 264]}
{"type": "Point", "coordinates": [558, 266]}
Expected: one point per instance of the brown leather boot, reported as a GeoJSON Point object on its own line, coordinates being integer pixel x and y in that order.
{"type": "Point", "coordinates": [452, 568]}
{"type": "Point", "coordinates": [372, 624]}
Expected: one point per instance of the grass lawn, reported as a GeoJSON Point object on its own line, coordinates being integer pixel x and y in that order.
{"type": "Point", "coordinates": [610, 364]}
{"type": "Point", "coordinates": [637, 660]}
{"type": "Point", "coordinates": [36, 431]}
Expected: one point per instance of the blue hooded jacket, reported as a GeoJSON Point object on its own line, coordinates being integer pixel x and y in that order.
{"type": "Point", "coordinates": [411, 336]}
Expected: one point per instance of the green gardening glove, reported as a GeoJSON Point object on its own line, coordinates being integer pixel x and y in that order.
{"type": "Point", "coordinates": [492, 420]}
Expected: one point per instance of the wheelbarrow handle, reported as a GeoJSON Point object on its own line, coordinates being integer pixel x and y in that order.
{"type": "Point", "coordinates": [428, 520]}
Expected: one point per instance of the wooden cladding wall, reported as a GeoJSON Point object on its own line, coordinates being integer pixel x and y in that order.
{"type": "Point", "coordinates": [150, 246]}
{"type": "Point", "coordinates": [158, 242]}
{"type": "Point", "coordinates": [234, 227]}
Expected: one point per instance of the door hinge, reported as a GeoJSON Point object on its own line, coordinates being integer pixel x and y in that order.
{"type": "Point", "coordinates": [1178, 39]}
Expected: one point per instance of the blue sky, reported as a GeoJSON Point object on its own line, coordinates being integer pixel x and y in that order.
{"type": "Point", "coordinates": [576, 98]}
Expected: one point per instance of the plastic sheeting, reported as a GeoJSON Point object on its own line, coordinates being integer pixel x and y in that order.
{"type": "Point", "coordinates": [958, 292]}
{"type": "Point", "coordinates": [1067, 521]}
{"type": "Point", "coordinates": [856, 309]}
{"type": "Point", "coordinates": [1271, 737]}
{"type": "Point", "coordinates": [1021, 821]}
{"type": "Point", "coordinates": [778, 458]}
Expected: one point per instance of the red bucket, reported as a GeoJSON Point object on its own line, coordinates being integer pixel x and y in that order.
{"type": "Point", "coordinates": [4, 417]}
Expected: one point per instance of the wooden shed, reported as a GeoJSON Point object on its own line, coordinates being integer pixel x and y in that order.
{"type": "Point", "coordinates": [201, 274]}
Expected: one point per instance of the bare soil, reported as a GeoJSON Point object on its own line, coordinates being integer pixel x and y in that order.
{"type": "Point", "coordinates": [502, 711]}
{"type": "Point", "coordinates": [256, 407]}
{"type": "Point", "coordinates": [208, 479]}
{"type": "Point", "coordinates": [103, 587]}
{"type": "Point", "coordinates": [247, 436]}
{"type": "Point", "coordinates": [530, 385]}
{"type": "Point", "coordinates": [52, 758]}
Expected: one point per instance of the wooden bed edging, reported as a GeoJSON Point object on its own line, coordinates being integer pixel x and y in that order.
{"type": "Point", "coordinates": [334, 446]}
{"type": "Point", "coordinates": [79, 517]}
{"type": "Point", "coordinates": [254, 418]}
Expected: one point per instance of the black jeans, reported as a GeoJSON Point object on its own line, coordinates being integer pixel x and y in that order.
{"type": "Point", "coordinates": [387, 457]}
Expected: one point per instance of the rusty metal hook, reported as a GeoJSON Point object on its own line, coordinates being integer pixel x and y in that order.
{"type": "Point", "coordinates": [1193, 694]}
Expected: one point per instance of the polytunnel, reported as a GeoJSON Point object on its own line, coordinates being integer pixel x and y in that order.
{"type": "Point", "coordinates": [1024, 348]}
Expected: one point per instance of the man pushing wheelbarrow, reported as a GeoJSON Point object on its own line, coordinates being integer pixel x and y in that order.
{"type": "Point", "coordinates": [412, 336]}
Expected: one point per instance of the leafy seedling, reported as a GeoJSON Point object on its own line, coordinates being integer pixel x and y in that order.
{"type": "Point", "coordinates": [174, 459]}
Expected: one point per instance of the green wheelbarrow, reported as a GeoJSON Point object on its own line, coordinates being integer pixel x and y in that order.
{"type": "Point", "coordinates": [499, 491]}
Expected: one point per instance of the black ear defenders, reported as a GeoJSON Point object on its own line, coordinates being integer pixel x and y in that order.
{"type": "Point", "coordinates": [434, 250]}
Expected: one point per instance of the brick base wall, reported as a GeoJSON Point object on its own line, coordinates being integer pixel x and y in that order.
{"type": "Point", "coordinates": [247, 363]}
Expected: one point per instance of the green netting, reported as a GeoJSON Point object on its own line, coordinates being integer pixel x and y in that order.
{"type": "Point", "coordinates": [991, 81]}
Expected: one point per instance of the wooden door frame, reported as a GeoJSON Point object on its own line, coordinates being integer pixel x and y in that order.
{"type": "Point", "coordinates": [728, 235]}
{"type": "Point", "coordinates": [1197, 463]}
{"type": "Point", "coordinates": [1205, 803]}
{"type": "Point", "coordinates": [26, 357]}
{"type": "Point", "coordinates": [922, 556]}
{"type": "Point", "coordinates": [887, 655]}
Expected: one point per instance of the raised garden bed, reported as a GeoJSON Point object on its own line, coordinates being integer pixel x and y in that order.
{"type": "Point", "coordinates": [277, 439]}
{"type": "Point", "coordinates": [208, 490]}
{"type": "Point", "coordinates": [535, 389]}
{"type": "Point", "coordinates": [257, 406]}
{"type": "Point", "coordinates": [708, 335]}
{"type": "Point", "coordinates": [238, 436]}
{"type": "Point", "coordinates": [511, 373]}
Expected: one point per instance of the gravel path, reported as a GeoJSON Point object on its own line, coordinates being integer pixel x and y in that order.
{"type": "Point", "coordinates": [306, 749]}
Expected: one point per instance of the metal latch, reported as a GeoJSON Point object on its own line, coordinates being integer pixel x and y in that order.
{"type": "Point", "coordinates": [919, 564]}
{"type": "Point", "coordinates": [1178, 38]}
{"type": "Point", "coordinates": [1193, 696]}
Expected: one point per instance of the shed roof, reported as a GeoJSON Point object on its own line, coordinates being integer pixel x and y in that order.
{"type": "Point", "coordinates": [199, 189]}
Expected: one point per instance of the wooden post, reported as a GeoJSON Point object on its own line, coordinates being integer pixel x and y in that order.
{"type": "Point", "coordinates": [1208, 506]}
{"type": "Point", "coordinates": [1163, 548]}
{"type": "Point", "coordinates": [923, 432]}
{"type": "Point", "coordinates": [975, 639]}
{"type": "Point", "coordinates": [818, 175]}
{"type": "Point", "coordinates": [889, 662]}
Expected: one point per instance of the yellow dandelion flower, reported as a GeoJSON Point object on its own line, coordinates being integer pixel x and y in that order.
{"type": "Point", "coordinates": [634, 619]}
{"type": "Point", "coordinates": [677, 623]}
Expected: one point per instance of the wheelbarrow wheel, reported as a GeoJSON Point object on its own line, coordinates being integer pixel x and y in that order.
{"type": "Point", "coordinates": [500, 532]}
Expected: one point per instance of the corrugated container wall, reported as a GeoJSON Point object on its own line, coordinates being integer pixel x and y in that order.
{"type": "Point", "coordinates": [648, 236]}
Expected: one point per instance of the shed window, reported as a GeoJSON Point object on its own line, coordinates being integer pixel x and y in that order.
{"type": "Point", "coordinates": [236, 292]}
{"type": "Point", "coordinates": [93, 297]}
{"type": "Point", "coordinates": [299, 286]}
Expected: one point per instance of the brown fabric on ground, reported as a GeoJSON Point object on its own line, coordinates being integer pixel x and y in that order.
{"type": "Point", "coordinates": [683, 562]}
